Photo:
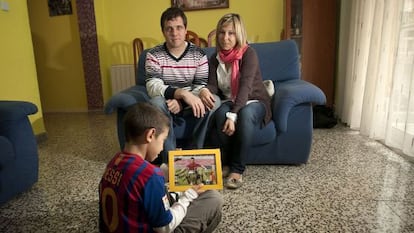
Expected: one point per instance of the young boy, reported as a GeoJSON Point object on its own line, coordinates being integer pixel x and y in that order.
{"type": "Point", "coordinates": [132, 195]}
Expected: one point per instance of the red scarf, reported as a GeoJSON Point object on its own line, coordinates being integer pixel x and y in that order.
{"type": "Point", "coordinates": [233, 56]}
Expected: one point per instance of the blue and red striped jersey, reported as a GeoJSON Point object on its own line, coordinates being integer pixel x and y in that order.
{"type": "Point", "coordinates": [132, 196]}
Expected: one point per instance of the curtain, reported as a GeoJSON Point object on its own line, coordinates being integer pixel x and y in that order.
{"type": "Point", "coordinates": [374, 91]}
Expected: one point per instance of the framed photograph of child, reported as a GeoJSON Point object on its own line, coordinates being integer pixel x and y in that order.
{"type": "Point", "coordinates": [191, 167]}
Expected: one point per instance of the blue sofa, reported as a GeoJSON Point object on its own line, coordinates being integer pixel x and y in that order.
{"type": "Point", "coordinates": [288, 138]}
{"type": "Point", "coordinates": [18, 149]}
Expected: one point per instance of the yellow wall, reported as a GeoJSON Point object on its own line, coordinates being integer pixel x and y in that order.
{"type": "Point", "coordinates": [18, 79]}
{"type": "Point", "coordinates": [118, 24]}
{"type": "Point", "coordinates": [58, 59]}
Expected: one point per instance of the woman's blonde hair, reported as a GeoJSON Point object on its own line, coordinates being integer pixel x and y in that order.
{"type": "Point", "coordinates": [236, 20]}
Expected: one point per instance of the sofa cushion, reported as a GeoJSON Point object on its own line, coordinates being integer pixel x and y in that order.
{"type": "Point", "coordinates": [264, 135]}
{"type": "Point", "coordinates": [140, 78]}
{"type": "Point", "coordinates": [209, 51]}
{"type": "Point", "coordinates": [278, 61]}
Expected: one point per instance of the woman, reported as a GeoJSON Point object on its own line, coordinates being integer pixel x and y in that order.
{"type": "Point", "coordinates": [234, 75]}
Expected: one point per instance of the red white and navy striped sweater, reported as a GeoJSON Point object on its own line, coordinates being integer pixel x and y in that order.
{"type": "Point", "coordinates": [165, 73]}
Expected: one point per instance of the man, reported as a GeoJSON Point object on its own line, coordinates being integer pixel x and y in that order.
{"type": "Point", "coordinates": [176, 72]}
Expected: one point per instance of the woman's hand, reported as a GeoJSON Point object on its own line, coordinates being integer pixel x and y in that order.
{"type": "Point", "coordinates": [229, 127]}
{"type": "Point", "coordinates": [207, 98]}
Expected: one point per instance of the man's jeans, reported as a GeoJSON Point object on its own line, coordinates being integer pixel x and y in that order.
{"type": "Point", "coordinates": [200, 126]}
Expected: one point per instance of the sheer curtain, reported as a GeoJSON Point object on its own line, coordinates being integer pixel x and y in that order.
{"type": "Point", "coordinates": [375, 87]}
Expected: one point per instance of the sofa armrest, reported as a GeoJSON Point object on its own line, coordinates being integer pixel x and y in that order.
{"type": "Point", "coordinates": [6, 151]}
{"type": "Point", "coordinates": [126, 98]}
{"type": "Point", "coordinates": [11, 110]}
{"type": "Point", "coordinates": [291, 93]}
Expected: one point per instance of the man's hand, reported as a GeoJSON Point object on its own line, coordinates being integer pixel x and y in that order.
{"type": "Point", "coordinates": [207, 98]}
{"type": "Point", "coordinates": [229, 127]}
{"type": "Point", "coordinates": [193, 101]}
{"type": "Point", "coordinates": [174, 106]}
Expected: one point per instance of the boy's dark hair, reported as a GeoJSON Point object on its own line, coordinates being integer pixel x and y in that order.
{"type": "Point", "coordinates": [143, 116]}
{"type": "Point", "coordinates": [171, 13]}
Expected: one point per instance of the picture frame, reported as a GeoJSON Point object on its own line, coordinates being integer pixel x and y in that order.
{"type": "Point", "coordinates": [59, 7]}
{"type": "Point", "coordinates": [191, 5]}
{"type": "Point", "coordinates": [187, 168]}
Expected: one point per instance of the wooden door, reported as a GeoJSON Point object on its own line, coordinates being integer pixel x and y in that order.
{"type": "Point", "coordinates": [319, 25]}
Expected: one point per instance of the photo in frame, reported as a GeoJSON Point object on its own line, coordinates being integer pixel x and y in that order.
{"type": "Point", "coordinates": [191, 5]}
{"type": "Point", "coordinates": [187, 168]}
{"type": "Point", "coordinates": [59, 7]}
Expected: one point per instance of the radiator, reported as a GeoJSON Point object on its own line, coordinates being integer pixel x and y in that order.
{"type": "Point", "coordinates": [122, 77]}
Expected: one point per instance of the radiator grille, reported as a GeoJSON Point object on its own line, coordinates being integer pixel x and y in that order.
{"type": "Point", "coordinates": [122, 77]}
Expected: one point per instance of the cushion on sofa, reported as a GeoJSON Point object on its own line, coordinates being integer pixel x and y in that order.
{"type": "Point", "coordinates": [264, 135]}
{"type": "Point", "coordinates": [140, 78]}
{"type": "Point", "coordinates": [279, 61]}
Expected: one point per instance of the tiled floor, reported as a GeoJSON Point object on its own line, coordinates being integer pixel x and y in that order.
{"type": "Point", "coordinates": [350, 184]}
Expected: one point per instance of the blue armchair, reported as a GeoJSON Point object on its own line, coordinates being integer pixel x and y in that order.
{"type": "Point", "coordinates": [18, 149]}
{"type": "Point", "coordinates": [287, 138]}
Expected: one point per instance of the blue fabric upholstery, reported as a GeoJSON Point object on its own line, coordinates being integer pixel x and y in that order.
{"type": "Point", "coordinates": [18, 149]}
{"type": "Point", "coordinates": [287, 139]}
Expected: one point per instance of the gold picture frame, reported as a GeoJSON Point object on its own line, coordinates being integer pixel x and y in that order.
{"type": "Point", "coordinates": [190, 167]}
{"type": "Point", "coordinates": [190, 5]}
{"type": "Point", "coordinates": [59, 7]}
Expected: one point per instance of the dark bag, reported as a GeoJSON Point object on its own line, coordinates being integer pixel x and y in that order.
{"type": "Point", "coordinates": [323, 117]}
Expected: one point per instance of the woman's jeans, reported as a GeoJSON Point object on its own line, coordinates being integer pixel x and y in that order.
{"type": "Point", "coordinates": [234, 148]}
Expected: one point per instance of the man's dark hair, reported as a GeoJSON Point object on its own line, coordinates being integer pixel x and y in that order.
{"type": "Point", "coordinates": [143, 116]}
{"type": "Point", "coordinates": [171, 13]}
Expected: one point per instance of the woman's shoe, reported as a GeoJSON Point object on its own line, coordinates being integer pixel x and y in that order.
{"type": "Point", "coordinates": [233, 183]}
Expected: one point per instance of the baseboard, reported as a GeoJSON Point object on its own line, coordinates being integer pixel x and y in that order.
{"type": "Point", "coordinates": [399, 152]}
{"type": "Point", "coordinates": [408, 158]}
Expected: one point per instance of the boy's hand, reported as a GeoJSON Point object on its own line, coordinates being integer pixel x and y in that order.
{"type": "Point", "coordinates": [198, 188]}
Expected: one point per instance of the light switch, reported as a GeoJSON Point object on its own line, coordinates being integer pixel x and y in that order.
{"type": "Point", "coordinates": [4, 5]}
